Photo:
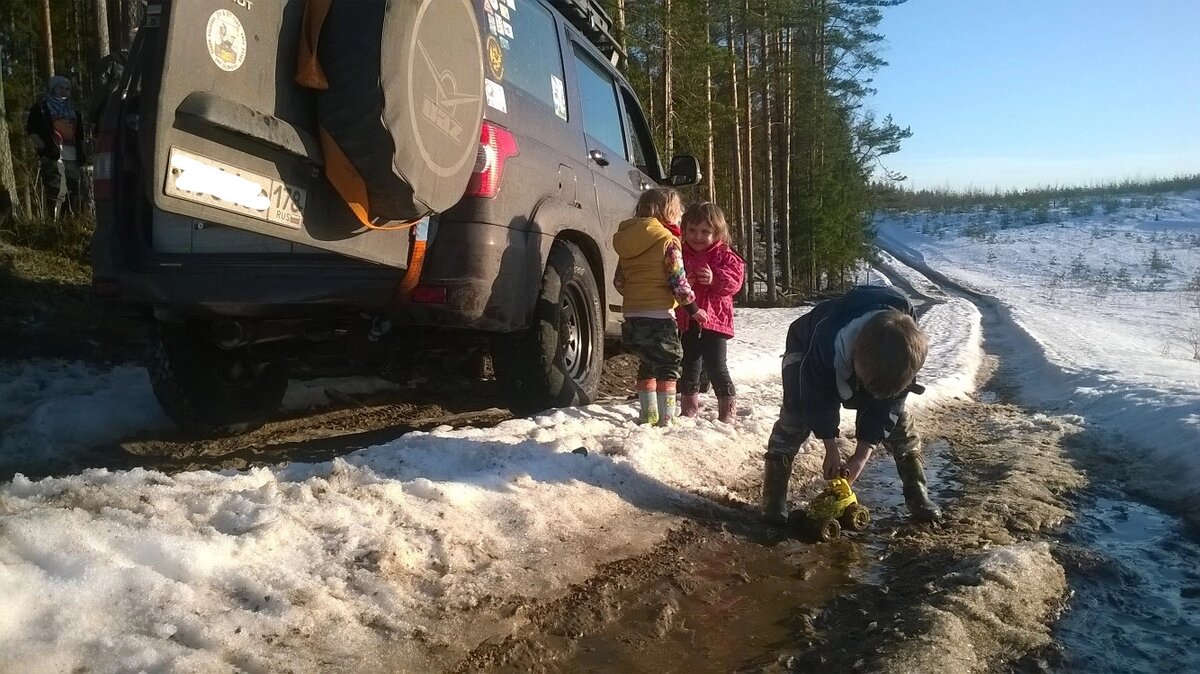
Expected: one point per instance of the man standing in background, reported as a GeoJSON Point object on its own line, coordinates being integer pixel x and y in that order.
{"type": "Point", "coordinates": [55, 128]}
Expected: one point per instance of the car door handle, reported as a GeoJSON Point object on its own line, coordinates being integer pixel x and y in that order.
{"type": "Point", "coordinates": [598, 157]}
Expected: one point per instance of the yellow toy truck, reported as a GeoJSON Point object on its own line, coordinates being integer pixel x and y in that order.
{"type": "Point", "coordinates": [835, 508]}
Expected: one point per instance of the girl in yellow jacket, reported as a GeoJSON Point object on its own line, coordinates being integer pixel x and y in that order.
{"type": "Point", "coordinates": [651, 278]}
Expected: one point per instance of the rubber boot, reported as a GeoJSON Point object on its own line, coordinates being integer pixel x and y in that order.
{"type": "Point", "coordinates": [911, 469]}
{"type": "Point", "coordinates": [647, 402]}
{"type": "Point", "coordinates": [777, 474]}
{"type": "Point", "coordinates": [666, 401]}
{"type": "Point", "coordinates": [726, 409]}
{"type": "Point", "coordinates": [689, 404]}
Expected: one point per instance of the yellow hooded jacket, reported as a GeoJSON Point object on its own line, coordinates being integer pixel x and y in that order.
{"type": "Point", "coordinates": [642, 245]}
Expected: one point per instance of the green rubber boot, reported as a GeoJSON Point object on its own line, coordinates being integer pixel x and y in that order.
{"type": "Point", "coordinates": [911, 468]}
{"type": "Point", "coordinates": [776, 475]}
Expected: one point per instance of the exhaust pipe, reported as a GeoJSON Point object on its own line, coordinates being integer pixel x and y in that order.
{"type": "Point", "coordinates": [228, 334]}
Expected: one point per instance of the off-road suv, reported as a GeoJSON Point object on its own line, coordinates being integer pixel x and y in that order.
{"type": "Point", "coordinates": [281, 179]}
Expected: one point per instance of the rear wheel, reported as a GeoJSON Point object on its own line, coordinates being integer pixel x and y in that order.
{"type": "Point", "coordinates": [210, 391]}
{"type": "Point", "coordinates": [559, 360]}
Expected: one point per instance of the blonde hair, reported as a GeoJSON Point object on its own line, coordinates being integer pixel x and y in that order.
{"type": "Point", "coordinates": [888, 352]}
{"type": "Point", "coordinates": [654, 203]}
{"type": "Point", "coordinates": [707, 211]}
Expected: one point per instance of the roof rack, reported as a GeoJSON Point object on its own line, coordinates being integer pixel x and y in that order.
{"type": "Point", "coordinates": [589, 18]}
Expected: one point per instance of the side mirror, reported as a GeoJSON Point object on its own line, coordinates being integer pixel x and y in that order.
{"type": "Point", "coordinates": [685, 170]}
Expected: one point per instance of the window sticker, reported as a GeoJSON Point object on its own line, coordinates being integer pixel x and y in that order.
{"type": "Point", "coordinates": [495, 95]}
{"type": "Point", "coordinates": [512, 4]}
{"type": "Point", "coordinates": [504, 42]}
{"type": "Point", "coordinates": [560, 96]}
{"type": "Point", "coordinates": [504, 12]}
{"type": "Point", "coordinates": [492, 24]}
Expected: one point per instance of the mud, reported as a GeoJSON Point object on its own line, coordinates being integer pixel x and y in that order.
{"type": "Point", "coordinates": [737, 596]}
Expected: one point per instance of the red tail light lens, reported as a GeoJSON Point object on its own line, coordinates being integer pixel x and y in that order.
{"type": "Point", "coordinates": [102, 166]}
{"type": "Point", "coordinates": [429, 295]}
{"type": "Point", "coordinates": [496, 145]}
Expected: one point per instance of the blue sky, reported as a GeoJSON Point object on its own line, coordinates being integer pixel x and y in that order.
{"type": "Point", "coordinates": [1025, 93]}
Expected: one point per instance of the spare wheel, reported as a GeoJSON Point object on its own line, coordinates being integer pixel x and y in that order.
{"type": "Point", "coordinates": [404, 102]}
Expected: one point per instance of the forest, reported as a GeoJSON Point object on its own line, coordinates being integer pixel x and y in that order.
{"type": "Point", "coordinates": [771, 95]}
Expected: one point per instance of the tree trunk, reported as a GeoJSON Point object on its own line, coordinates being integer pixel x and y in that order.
{"type": "Point", "coordinates": [788, 111]}
{"type": "Point", "coordinates": [748, 188]}
{"type": "Point", "coordinates": [668, 108]}
{"type": "Point", "coordinates": [131, 18]}
{"type": "Point", "coordinates": [621, 22]}
{"type": "Point", "coordinates": [47, 39]}
{"type": "Point", "coordinates": [102, 41]}
{"type": "Point", "coordinates": [8, 180]}
{"type": "Point", "coordinates": [710, 158]}
{"type": "Point", "coordinates": [769, 203]}
{"type": "Point", "coordinates": [736, 209]}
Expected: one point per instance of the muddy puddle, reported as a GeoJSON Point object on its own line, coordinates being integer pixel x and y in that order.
{"type": "Point", "coordinates": [1134, 572]}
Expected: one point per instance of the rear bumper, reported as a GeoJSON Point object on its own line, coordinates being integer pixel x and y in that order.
{"type": "Point", "coordinates": [490, 275]}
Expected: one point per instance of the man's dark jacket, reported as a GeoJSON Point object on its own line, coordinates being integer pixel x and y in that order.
{"type": "Point", "coordinates": [39, 123]}
{"type": "Point", "coordinates": [810, 356]}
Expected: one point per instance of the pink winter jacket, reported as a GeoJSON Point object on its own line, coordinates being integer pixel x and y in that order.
{"type": "Point", "coordinates": [716, 298]}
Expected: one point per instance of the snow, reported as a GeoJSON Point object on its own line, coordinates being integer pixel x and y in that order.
{"type": "Point", "coordinates": [416, 544]}
{"type": "Point", "coordinates": [1120, 350]}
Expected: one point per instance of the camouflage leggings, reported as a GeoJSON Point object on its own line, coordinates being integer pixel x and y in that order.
{"type": "Point", "coordinates": [655, 342]}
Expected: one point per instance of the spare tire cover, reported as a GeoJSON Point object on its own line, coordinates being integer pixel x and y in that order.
{"type": "Point", "coordinates": [405, 99]}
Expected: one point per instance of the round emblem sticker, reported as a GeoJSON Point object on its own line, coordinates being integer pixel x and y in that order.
{"type": "Point", "coordinates": [226, 40]}
{"type": "Point", "coordinates": [495, 58]}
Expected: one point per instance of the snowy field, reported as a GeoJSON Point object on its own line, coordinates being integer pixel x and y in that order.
{"type": "Point", "coordinates": [1109, 301]}
{"type": "Point", "coordinates": [267, 569]}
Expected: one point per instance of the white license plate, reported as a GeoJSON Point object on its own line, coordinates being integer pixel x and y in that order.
{"type": "Point", "coordinates": [218, 185]}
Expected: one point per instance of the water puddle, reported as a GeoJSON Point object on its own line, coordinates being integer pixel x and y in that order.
{"type": "Point", "coordinates": [746, 605]}
{"type": "Point", "coordinates": [1135, 574]}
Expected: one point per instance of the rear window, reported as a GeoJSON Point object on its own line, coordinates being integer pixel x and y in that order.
{"type": "Point", "coordinates": [528, 38]}
{"type": "Point", "coordinates": [598, 96]}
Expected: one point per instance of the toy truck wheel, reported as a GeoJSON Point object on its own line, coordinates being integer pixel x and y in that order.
{"type": "Point", "coordinates": [856, 518]}
{"type": "Point", "coordinates": [827, 531]}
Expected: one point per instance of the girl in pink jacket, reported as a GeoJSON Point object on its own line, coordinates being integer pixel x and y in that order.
{"type": "Point", "coordinates": [716, 274]}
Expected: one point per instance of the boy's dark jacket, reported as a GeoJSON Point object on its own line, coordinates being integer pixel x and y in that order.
{"type": "Point", "coordinates": [811, 345]}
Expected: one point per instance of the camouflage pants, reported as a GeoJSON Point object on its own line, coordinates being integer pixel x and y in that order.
{"type": "Point", "coordinates": [791, 430]}
{"type": "Point", "coordinates": [655, 342]}
{"type": "Point", "coordinates": [61, 184]}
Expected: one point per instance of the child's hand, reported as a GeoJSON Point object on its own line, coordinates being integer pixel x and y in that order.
{"type": "Point", "coordinates": [704, 275]}
{"type": "Point", "coordinates": [832, 464]}
{"type": "Point", "coordinates": [701, 316]}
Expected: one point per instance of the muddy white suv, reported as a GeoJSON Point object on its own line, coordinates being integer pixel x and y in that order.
{"type": "Point", "coordinates": [458, 177]}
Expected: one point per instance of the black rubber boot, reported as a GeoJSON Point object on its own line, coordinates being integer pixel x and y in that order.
{"type": "Point", "coordinates": [911, 468]}
{"type": "Point", "coordinates": [777, 474]}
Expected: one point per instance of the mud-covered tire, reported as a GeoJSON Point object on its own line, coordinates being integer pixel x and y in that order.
{"type": "Point", "coordinates": [559, 360]}
{"type": "Point", "coordinates": [189, 378]}
{"type": "Point", "coordinates": [856, 518]}
{"type": "Point", "coordinates": [827, 531]}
